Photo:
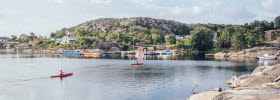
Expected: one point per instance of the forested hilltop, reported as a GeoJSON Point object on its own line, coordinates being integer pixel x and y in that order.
{"type": "Point", "coordinates": [105, 33]}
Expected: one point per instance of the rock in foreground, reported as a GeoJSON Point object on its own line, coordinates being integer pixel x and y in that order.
{"type": "Point", "coordinates": [262, 84]}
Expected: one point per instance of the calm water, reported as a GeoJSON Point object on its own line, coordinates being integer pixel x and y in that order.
{"type": "Point", "coordinates": [27, 77]}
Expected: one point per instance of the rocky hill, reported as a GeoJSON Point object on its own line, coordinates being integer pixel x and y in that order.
{"type": "Point", "coordinates": [126, 25]}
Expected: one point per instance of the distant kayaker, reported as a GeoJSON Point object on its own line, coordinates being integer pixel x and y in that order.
{"type": "Point", "coordinates": [61, 72]}
{"type": "Point", "coordinates": [136, 62]}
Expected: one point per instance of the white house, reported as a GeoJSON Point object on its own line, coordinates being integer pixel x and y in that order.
{"type": "Point", "coordinates": [67, 39]}
{"type": "Point", "coordinates": [179, 38]}
{"type": "Point", "coordinates": [188, 36]}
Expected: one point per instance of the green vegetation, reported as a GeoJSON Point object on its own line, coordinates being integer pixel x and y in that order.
{"type": "Point", "coordinates": [23, 38]}
{"type": "Point", "coordinates": [224, 37]}
{"type": "Point", "coordinates": [61, 33]}
{"type": "Point", "coordinates": [1, 44]}
{"type": "Point", "coordinates": [238, 40]}
{"type": "Point", "coordinates": [204, 37]}
{"type": "Point", "coordinates": [170, 39]}
{"type": "Point", "coordinates": [14, 38]}
{"type": "Point", "coordinates": [277, 22]}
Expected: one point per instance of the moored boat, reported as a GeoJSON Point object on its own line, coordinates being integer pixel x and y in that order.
{"type": "Point", "coordinates": [266, 57]}
{"type": "Point", "coordinates": [76, 53]}
{"type": "Point", "coordinates": [96, 55]}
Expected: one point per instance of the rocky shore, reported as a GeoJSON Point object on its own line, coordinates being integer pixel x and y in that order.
{"type": "Point", "coordinates": [36, 51]}
{"type": "Point", "coordinates": [262, 84]}
{"type": "Point", "coordinates": [56, 51]}
{"type": "Point", "coordinates": [248, 53]}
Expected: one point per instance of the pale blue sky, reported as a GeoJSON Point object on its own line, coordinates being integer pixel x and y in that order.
{"type": "Point", "coordinates": [45, 16]}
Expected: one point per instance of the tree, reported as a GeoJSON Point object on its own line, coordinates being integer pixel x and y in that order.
{"type": "Point", "coordinates": [238, 40]}
{"type": "Point", "coordinates": [53, 35]}
{"type": "Point", "coordinates": [170, 39]}
{"type": "Point", "coordinates": [86, 42]}
{"type": "Point", "coordinates": [251, 40]}
{"type": "Point", "coordinates": [277, 22]}
{"type": "Point", "coordinates": [32, 35]}
{"type": "Point", "coordinates": [202, 38]}
{"type": "Point", "coordinates": [23, 38]}
{"type": "Point", "coordinates": [1, 44]}
{"type": "Point", "coordinates": [156, 36]}
{"type": "Point", "coordinates": [81, 32]}
{"type": "Point", "coordinates": [185, 44]}
{"type": "Point", "coordinates": [61, 33]}
{"type": "Point", "coordinates": [14, 37]}
{"type": "Point", "coordinates": [223, 40]}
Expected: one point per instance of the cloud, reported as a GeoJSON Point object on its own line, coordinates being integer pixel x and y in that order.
{"type": "Point", "coordinates": [45, 16]}
{"type": "Point", "coordinates": [271, 6]}
{"type": "Point", "coordinates": [58, 1]}
{"type": "Point", "coordinates": [101, 1]}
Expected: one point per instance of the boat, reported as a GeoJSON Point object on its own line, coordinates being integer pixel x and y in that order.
{"type": "Point", "coordinates": [71, 53]}
{"type": "Point", "coordinates": [138, 64]}
{"type": "Point", "coordinates": [266, 57]}
{"type": "Point", "coordinates": [95, 55]}
{"type": "Point", "coordinates": [64, 75]}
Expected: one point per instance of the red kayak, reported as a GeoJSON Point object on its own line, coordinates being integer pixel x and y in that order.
{"type": "Point", "coordinates": [64, 75]}
{"type": "Point", "coordinates": [137, 64]}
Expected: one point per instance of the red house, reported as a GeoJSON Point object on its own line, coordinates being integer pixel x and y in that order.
{"type": "Point", "coordinates": [140, 44]}
{"type": "Point", "coordinates": [160, 48]}
{"type": "Point", "coordinates": [37, 39]}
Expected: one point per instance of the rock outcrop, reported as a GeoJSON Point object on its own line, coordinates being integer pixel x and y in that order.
{"type": "Point", "coordinates": [262, 84]}
{"type": "Point", "coordinates": [127, 25]}
{"type": "Point", "coordinates": [272, 35]}
{"type": "Point", "coordinates": [249, 53]}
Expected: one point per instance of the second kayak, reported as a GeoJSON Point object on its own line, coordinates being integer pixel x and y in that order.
{"type": "Point", "coordinates": [64, 75]}
{"type": "Point", "coordinates": [138, 64]}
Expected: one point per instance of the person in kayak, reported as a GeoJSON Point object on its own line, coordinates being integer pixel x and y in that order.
{"type": "Point", "coordinates": [61, 72]}
{"type": "Point", "coordinates": [136, 62]}
{"type": "Point", "coordinates": [234, 81]}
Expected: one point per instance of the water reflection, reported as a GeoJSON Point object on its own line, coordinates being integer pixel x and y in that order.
{"type": "Point", "coordinates": [268, 62]}
{"type": "Point", "coordinates": [114, 78]}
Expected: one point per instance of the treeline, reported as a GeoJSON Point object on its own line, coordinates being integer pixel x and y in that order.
{"type": "Point", "coordinates": [95, 40]}
{"type": "Point", "coordinates": [203, 37]}
{"type": "Point", "coordinates": [234, 37]}
{"type": "Point", "coordinates": [42, 42]}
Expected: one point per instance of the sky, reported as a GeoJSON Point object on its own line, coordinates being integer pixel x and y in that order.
{"type": "Point", "coordinates": [46, 16]}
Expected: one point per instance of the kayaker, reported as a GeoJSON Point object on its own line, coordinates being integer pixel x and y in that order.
{"type": "Point", "coordinates": [61, 72]}
{"type": "Point", "coordinates": [136, 62]}
{"type": "Point", "coordinates": [234, 81]}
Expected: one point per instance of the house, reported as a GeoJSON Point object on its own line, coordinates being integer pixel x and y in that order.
{"type": "Point", "coordinates": [37, 39]}
{"type": "Point", "coordinates": [179, 38]}
{"type": "Point", "coordinates": [188, 36]}
{"type": "Point", "coordinates": [53, 39]}
{"type": "Point", "coordinates": [140, 44]}
{"type": "Point", "coordinates": [143, 50]}
{"type": "Point", "coordinates": [160, 48]}
{"type": "Point", "coordinates": [58, 41]}
{"type": "Point", "coordinates": [68, 39]}
{"type": "Point", "coordinates": [4, 39]}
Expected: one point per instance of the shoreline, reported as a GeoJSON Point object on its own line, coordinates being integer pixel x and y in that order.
{"type": "Point", "coordinates": [247, 53]}
{"type": "Point", "coordinates": [262, 84]}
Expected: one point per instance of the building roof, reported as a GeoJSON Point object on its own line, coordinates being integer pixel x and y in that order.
{"type": "Point", "coordinates": [4, 38]}
{"type": "Point", "coordinates": [36, 39]}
